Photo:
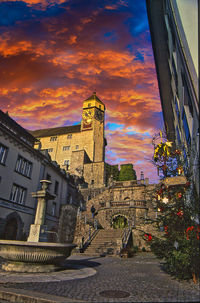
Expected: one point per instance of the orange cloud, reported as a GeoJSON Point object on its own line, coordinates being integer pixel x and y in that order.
{"type": "Point", "coordinates": [55, 59]}
{"type": "Point", "coordinates": [41, 2]}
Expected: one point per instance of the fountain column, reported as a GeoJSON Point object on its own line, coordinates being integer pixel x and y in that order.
{"type": "Point", "coordinates": [38, 231]}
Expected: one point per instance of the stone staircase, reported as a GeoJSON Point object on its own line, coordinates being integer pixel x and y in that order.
{"type": "Point", "coordinates": [106, 242]}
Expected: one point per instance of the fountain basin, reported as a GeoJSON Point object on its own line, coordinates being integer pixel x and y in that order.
{"type": "Point", "coordinates": [22, 256]}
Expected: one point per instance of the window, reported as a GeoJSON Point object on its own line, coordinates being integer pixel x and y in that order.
{"type": "Point", "coordinates": [99, 106]}
{"type": "Point", "coordinates": [56, 187]}
{"type": "Point", "coordinates": [3, 153]}
{"type": "Point", "coordinates": [174, 73]}
{"type": "Point", "coordinates": [69, 136]}
{"type": "Point", "coordinates": [178, 135]}
{"type": "Point", "coordinates": [177, 108]}
{"type": "Point", "coordinates": [53, 138]}
{"type": "Point", "coordinates": [66, 148]}
{"type": "Point", "coordinates": [18, 194]}
{"type": "Point", "coordinates": [89, 104]}
{"type": "Point", "coordinates": [186, 127]}
{"type": "Point", "coordinates": [50, 150]}
{"type": "Point", "coordinates": [77, 146]}
{"type": "Point", "coordinates": [24, 167]}
{"type": "Point", "coordinates": [186, 95]}
{"type": "Point", "coordinates": [48, 177]}
{"type": "Point", "coordinates": [53, 209]}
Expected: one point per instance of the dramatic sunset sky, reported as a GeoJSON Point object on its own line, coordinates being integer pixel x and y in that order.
{"type": "Point", "coordinates": [56, 53]}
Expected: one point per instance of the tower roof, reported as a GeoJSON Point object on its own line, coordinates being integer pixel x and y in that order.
{"type": "Point", "coordinates": [94, 97]}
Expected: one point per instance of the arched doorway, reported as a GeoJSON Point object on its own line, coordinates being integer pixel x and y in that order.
{"type": "Point", "coordinates": [119, 222]}
{"type": "Point", "coordinates": [11, 228]}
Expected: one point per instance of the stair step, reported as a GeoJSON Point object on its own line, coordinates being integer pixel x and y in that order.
{"type": "Point", "coordinates": [105, 243]}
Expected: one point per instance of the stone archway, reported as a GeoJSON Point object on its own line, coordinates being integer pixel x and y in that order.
{"type": "Point", "coordinates": [13, 229]}
{"type": "Point", "coordinates": [119, 221]}
{"type": "Point", "coordinates": [10, 231]}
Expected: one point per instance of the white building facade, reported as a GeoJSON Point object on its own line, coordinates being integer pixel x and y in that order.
{"type": "Point", "coordinates": [21, 169]}
{"type": "Point", "coordinates": [174, 34]}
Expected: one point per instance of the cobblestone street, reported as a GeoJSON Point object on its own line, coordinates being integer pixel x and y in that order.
{"type": "Point", "coordinates": [109, 279]}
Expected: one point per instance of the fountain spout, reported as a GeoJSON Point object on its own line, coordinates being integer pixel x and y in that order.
{"type": "Point", "coordinates": [38, 231]}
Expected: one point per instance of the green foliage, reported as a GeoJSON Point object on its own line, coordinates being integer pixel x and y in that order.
{"type": "Point", "coordinates": [127, 172]}
{"type": "Point", "coordinates": [177, 220]}
{"type": "Point", "coordinates": [179, 243]}
{"type": "Point", "coordinates": [112, 170]}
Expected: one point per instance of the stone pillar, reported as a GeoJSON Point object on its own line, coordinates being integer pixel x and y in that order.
{"type": "Point", "coordinates": [38, 231]}
{"type": "Point", "coordinates": [108, 204]}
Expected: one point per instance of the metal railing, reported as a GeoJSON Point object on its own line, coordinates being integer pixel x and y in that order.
{"type": "Point", "coordinates": [89, 239]}
{"type": "Point", "coordinates": [125, 236]}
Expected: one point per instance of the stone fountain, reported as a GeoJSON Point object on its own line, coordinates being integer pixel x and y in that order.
{"type": "Point", "coordinates": [36, 254]}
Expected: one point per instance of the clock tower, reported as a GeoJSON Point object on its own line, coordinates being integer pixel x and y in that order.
{"type": "Point", "coordinates": [93, 125]}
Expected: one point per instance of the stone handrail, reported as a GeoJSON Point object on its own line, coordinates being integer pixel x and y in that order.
{"type": "Point", "coordinates": [131, 203]}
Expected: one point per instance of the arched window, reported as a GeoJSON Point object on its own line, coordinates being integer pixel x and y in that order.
{"type": "Point", "coordinates": [127, 198]}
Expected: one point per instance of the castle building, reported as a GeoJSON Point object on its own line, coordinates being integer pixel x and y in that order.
{"type": "Point", "coordinates": [79, 149]}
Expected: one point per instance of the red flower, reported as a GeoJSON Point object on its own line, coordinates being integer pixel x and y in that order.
{"type": "Point", "coordinates": [179, 195]}
{"type": "Point", "coordinates": [187, 230]}
{"type": "Point", "coordinates": [149, 236]}
{"type": "Point", "coordinates": [198, 231]}
{"type": "Point", "coordinates": [180, 213]}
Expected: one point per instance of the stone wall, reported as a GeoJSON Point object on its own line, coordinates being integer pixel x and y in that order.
{"type": "Point", "coordinates": [67, 223]}
{"type": "Point", "coordinates": [94, 173]}
{"type": "Point", "coordinates": [132, 200]}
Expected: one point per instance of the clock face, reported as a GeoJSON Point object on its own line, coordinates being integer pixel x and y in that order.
{"type": "Point", "coordinates": [87, 116]}
{"type": "Point", "coordinates": [99, 115]}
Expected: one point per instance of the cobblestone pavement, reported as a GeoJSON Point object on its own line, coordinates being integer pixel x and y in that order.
{"type": "Point", "coordinates": [138, 279]}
